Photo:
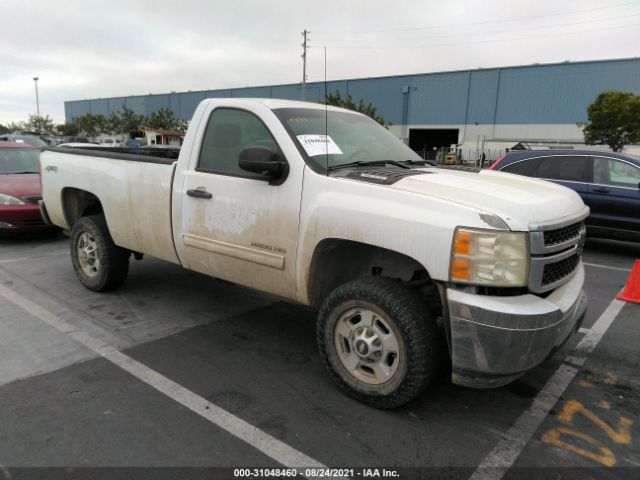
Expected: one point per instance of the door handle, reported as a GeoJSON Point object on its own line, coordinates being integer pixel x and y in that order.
{"type": "Point", "coordinates": [199, 192]}
{"type": "Point", "coordinates": [601, 190]}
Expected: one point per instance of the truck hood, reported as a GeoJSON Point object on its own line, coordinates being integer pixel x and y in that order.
{"type": "Point", "coordinates": [519, 201]}
{"type": "Point", "coordinates": [20, 185]}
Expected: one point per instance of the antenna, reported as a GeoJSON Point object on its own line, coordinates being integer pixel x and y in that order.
{"type": "Point", "coordinates": [304, 63]}
{"type": "Point", "coordinates": [326, 112]}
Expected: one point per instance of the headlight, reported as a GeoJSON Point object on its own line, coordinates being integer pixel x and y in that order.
{"type": "Point", "coordinates": [489, 257]}
{"type": "Point", "coordinates": [9, 200]}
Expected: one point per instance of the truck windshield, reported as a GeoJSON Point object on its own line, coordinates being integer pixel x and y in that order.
{"type": "Point", "coordinates": [341, 138]}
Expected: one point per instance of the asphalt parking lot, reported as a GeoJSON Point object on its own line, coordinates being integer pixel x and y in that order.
{"type": "Point", "coordinates": [179, 370]}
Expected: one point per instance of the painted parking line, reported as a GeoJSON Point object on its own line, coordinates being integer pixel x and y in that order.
{"type": "Point", "coordinates": [597, 265]}
{"type": "Point", "coordinates": [262, 441]}
{"type": "Point", "coordinates": [505, 453]}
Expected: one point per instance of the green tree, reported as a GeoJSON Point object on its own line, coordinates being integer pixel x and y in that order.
{"type": "Point", "coordinates": [42, 125]}
{"type": "Point", "coordinates": [90, 125]}
{"type": "Point", "coordinates": [614, 120]}
{"type": "Point", "coordinates": [130, 122]}
{"type": "Point", "coordinates": [371, 111]}
{"type": "Point", "coordinates": [15, 126]}
{"type": "Point", "coordinates": [162, 119]}
{"type": "Point", "coordinates": [182, 125]}
{"type": "Point", "coordinates": [68, 129]}
{"type": "Point", "coordinates": [113, 124]}
{"type": "Point", "coordinates": [3, 129]}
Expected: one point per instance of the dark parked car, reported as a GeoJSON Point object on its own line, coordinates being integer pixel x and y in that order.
{"type": "Point", "coordinates": [20, 188]}
{"type": "Point", "coordinates": [609, 183]}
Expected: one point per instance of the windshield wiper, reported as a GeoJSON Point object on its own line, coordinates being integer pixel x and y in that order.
{"type": "Point", "coordinates": [364, 163]}
{"type": "Point", "coordinates": [422, 162]}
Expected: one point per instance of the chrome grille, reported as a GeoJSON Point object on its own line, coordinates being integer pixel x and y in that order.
{"type": "Point", "coordinates": [556, 251]}
{"type": "Point", "coordinates": [564, 234]}
{"type": "Point", "coordinates": [554, 272]}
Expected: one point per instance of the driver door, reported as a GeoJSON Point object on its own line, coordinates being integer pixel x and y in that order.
{"type": "Point", "coordinates": [234, 224]}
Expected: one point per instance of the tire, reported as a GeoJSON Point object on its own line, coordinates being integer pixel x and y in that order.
{"type": "Point", "coordinates": [382, 378]}
{"type": "Point", "coordinates": [100, 265]}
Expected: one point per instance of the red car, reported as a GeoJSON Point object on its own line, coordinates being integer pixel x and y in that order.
{"type": "Point", "coordinates": [20, 188]}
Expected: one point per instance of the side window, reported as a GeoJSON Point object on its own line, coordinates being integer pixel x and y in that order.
{"type": "Point", "coordinates": [523, 167]}
{"type": "Point", "coordinates": [615, 173]}
{"type": "Point", "coordinates": [571, 169]}
{"type": "Point", "coordinates": [228, 132]}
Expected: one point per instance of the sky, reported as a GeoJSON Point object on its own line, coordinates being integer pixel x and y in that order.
{"type": "Point", "coordinates": [99, 49]}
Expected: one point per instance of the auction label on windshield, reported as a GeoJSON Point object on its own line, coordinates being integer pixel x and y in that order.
{"type": "Point", "coordinates": [319, 145]}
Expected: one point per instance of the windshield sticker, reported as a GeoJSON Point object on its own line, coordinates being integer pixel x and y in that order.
{"type": "Point", "coordinates": [319, 145]}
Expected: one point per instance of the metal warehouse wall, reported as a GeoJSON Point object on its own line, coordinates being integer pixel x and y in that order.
{"type": "Point", "coordinates": [535, 94]}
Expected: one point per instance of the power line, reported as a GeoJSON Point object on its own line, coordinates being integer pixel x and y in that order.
{"type": "Point", "coordinates": [359, 47]}
{"type": "Point", "coordinates": [542, 27]}
{"type": "Point", "coordinates": [481, 23]}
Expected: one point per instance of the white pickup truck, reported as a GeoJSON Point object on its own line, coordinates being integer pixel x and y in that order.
{"type": "Point", "coordinates": [408, 264]}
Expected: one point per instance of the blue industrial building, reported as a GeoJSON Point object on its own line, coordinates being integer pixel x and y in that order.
{"type": "Point", "coordinates": [535, 103]}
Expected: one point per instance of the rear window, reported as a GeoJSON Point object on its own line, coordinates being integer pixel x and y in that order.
{"type": "Point", "coordinates": [523, 167]}
{"type": "Point", "coordinates": [19, 160]}
{"type": "Point", "coordinates": [31, 140]}
{"type": "Point", "coordinates": [571, 169]}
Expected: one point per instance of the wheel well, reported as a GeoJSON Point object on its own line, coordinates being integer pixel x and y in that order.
{"type": "Point", "coordinates": [78, 203]}
{"type": "Point", "coordinates": [337, 261]}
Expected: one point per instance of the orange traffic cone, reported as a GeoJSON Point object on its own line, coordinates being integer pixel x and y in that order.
{"type": "Point", "coordinates": [631, 292]}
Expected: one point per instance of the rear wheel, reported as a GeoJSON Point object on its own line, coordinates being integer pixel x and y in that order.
{"type": "Point", "coordinates": [378, 341]}
{"type": "Point", "coordinates": [100, 265]}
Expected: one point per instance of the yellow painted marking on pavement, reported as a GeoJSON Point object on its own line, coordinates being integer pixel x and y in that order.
{"type": "Point", "coordinates": [588, 446]}
{"type": "Point", "coordinates": [605, 455]}
{"type": "Point", "coordinates": [621, 435]}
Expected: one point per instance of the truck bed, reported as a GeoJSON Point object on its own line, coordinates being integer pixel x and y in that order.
{"type": "Point", "coordinates": [134, 190]}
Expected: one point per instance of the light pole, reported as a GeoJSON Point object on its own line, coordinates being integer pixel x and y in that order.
{"type": "Point", "coordinates": [35, 80]}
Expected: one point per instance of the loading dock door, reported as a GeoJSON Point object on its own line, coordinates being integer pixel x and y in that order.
{"type": "Point", "coordinates": [423, 140]}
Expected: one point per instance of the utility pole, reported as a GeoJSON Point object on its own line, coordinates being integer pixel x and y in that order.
{"type": "Point", "coordinates": [304, 63]}
{"type": "Point", "coordinates": [35, 80]}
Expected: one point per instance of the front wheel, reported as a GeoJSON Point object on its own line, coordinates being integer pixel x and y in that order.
{"type": "Point", "coordinates": [378, 341]}
{"type": "Point", "coordinates": [100, 264]}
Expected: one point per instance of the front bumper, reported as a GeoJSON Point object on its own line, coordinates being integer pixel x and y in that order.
{"type": "Point", "coordinates": [495, 340]}
{"type": "Point", "coordinates": [21, 217]}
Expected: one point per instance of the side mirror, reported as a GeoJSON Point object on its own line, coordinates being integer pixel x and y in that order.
{"type": "Point", "coordinates": [265, 162]}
